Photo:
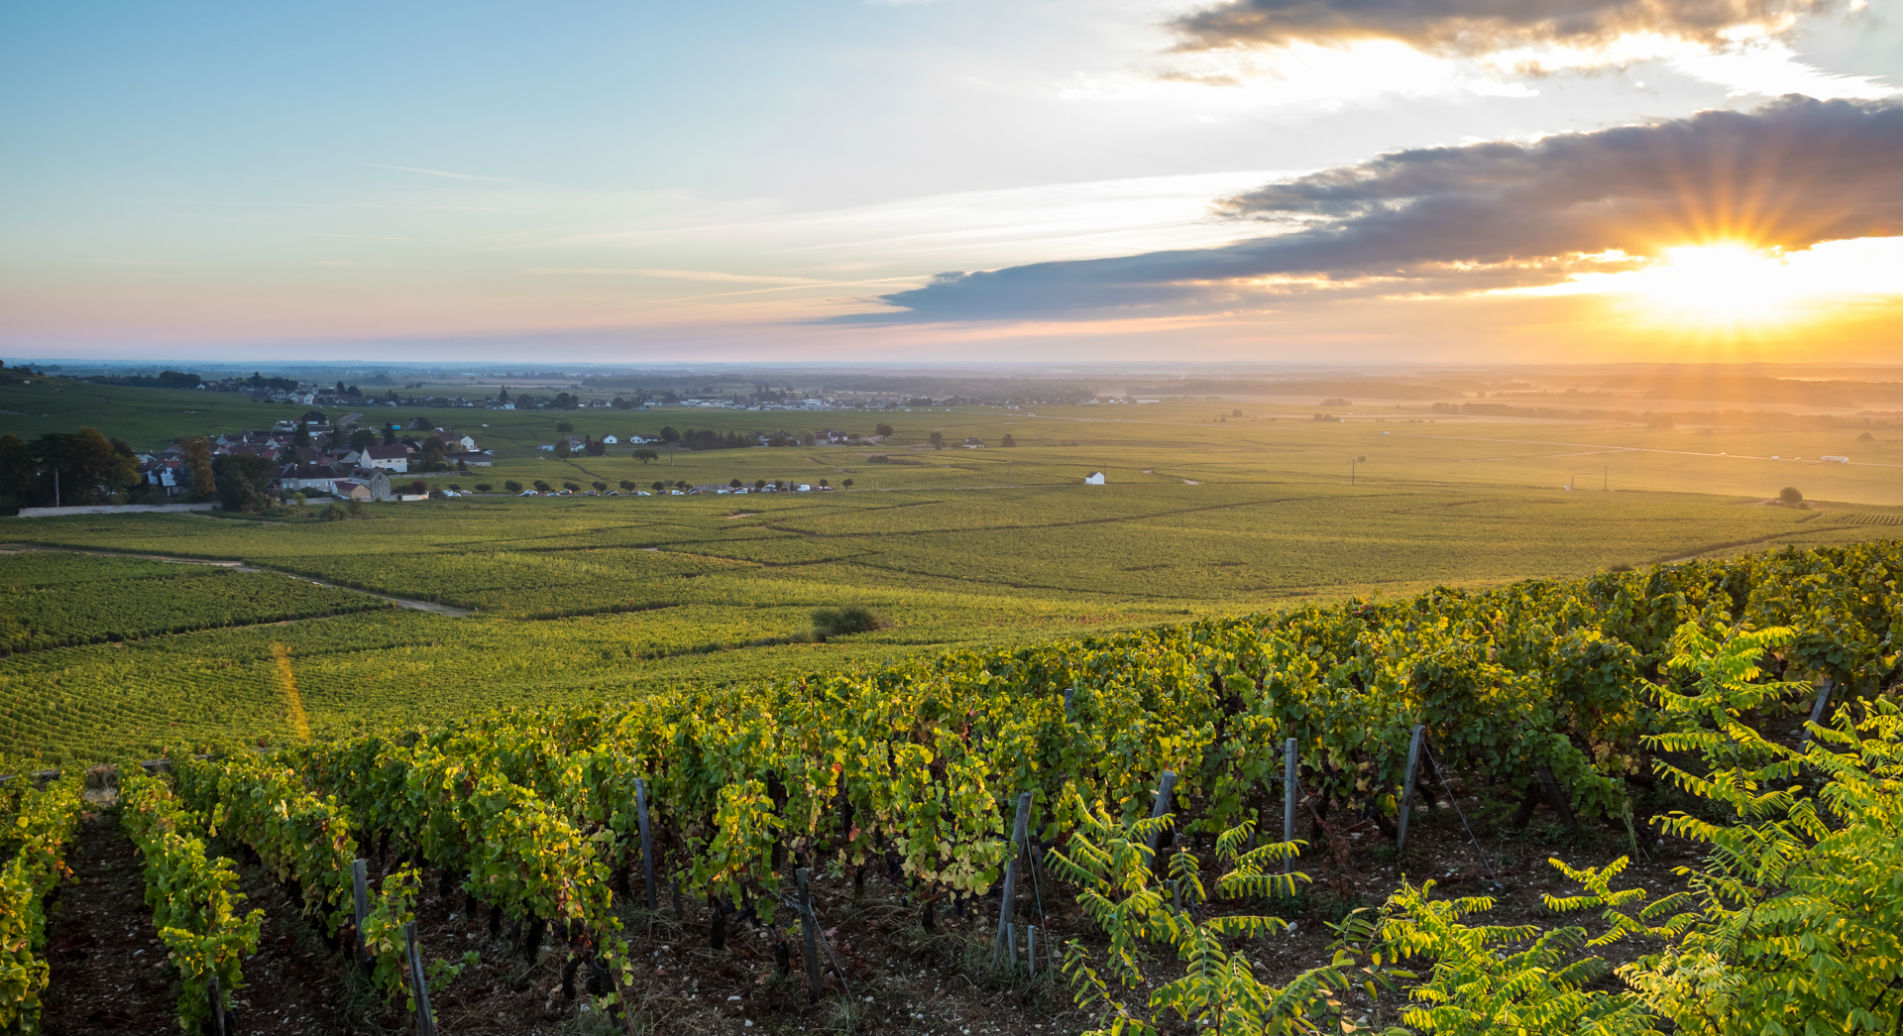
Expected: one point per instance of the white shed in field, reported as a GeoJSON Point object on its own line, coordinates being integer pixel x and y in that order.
{"type": "Point", "coordinates": [1095, 478]}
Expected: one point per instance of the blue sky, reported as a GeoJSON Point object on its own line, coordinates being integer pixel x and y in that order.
{"type": "Point", "coordinates": [625, 182]}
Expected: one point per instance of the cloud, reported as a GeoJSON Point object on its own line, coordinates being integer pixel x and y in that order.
{"type": "Point", "coordinates": [446, 174]}
{"type": "Point", "coordinates": [715, 276]}
{"type": "Point", "coordinates": [1476, 27]}
{"type": "Point", "coordinates": [1455, 220]}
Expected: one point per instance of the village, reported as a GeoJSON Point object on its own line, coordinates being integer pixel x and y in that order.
{"type": "Point", "coordinates": [310, 456]}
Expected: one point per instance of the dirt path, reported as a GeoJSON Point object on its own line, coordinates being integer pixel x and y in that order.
{"type": "Point", "coordinates": [110, 973]}
{"type": "Point", "coordinates": [241, 566]}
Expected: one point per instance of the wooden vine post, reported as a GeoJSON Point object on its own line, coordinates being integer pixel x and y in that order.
{"type": "Point", "coordinates": [647, 845]}
{"type": "Point", "coordinates": [1817, 711]}
{"type": "Point", "coordinates": [1165, 787]}
{"type": "Point", "coordinates": [809, 932]}
{"type": "Point", "coordinates": [419, 985]}
{"type": "Point", "coordinates": [1407, 790]}
{"type": "Point", "coordinates": [220, 1024]}
{"type": "Point", "coordinates": [359, 903]}
{"type": "Point", "coordinates": [1019, 832]}
{"type": "Point", "coordinates": [1288, 798]}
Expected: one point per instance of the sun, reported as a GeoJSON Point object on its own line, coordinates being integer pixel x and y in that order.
{"type": "Point", "coordinates": [1719, 285]}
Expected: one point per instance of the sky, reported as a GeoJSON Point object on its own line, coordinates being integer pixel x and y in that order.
{"type": "Point", "coordinates": [941, 180]}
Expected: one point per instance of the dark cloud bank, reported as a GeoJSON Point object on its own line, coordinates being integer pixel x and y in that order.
{"type": "Point", "coordinates": [1477, 26]}
{"type": "Point", "coordinates": [1447, 220]}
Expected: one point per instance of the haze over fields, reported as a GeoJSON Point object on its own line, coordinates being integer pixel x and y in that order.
{"type": "Point", "coordinates": [1258, 180]}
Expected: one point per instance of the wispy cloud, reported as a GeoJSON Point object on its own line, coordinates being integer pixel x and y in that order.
{"type": "Point", "coordinates": [447, 174]}
{"type": "Point", "coordinates": [1487, 46]}
{"type": "Point", "coordinates": [1475, 27]}
{"type": "Point", "coordinates": [682, 275]}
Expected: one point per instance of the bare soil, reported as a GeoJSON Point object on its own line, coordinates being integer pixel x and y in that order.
{"type": "Point", "coordinates": [893, 974]}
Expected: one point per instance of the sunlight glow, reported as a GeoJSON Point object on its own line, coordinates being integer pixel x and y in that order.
{"type": "Point", "coordinates": [1724, 284]}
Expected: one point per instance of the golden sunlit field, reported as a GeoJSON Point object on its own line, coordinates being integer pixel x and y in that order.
{"type": "Point", "coordinates": [1212, 505]}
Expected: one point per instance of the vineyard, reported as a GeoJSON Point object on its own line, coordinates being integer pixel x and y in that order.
{"type": "Point", "coordinates": [586, 600]}
{"type": "Point", "coordinates": [60, 600]}
{"type": "Point", "coordinates": [1111, 832]}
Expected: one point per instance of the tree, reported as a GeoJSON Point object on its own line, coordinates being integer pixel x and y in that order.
{"type": "Point", "coordinates": [17, 472]}
{"type": "Point", "coordinates": [834, 622]}
{"type": "Point", "coordinates": [362, 439]}
{"type": "Point", "coordinates": [483, 487]}
{"type": "Point", "coordinates": [198, 472]}
{"type": "Point", "coordinates": [563, 427]}
{"type": "Point", "coordinates": [418, 486]}
{"type": "Point", "coordinates": [542, 486]}
{"type": "Point", "coordinates": [510, 486]}
{"type": "Point", "coordinates": [823, 484]}
{"type": "Point", "coordinates": [599, 486]}
{"type": "Point", "coordinates": [882, 430]}
{"type": "Point", "coordinates": [1790, 497]}
{"type": "Point", "coordinates": [646, 456]}
{"type": "Point", "coordinates": [303, 437]}
{"type": "Point", "coordinates": [389, 435]}
{"type": "Point", "coordinates": [670, 434]}
{"type": "Point", "coordinates": [243, 481]}
{"type": "Point", "coordinates": [938, 440]}
{"type": "Point", "coordinates": [847, 484]}
{"type": "Point", "coordinates": [85, 467]}
{"type": "Point", "coordinates": [503, 396]}
{"type": "Point", "coordinates": [562, 451]}
{"type": "Point", "coordinates": [1007, 440]}
{"type": "Point", "coordinates": [658, 486]}
{"type": "Point", "coordinates": [573, 487]}
{"type": "Point", "coordinates": [759, 483]}
{"type": "Point", "coordinates": [627, 485]}
{"type": "Point", "coordinates": [733, 483]}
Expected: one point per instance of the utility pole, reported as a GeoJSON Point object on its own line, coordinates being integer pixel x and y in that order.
{"type": "Point", "coordinates": [1351, 472]}
{"type": "Point", "coordinates": [1605, 478]}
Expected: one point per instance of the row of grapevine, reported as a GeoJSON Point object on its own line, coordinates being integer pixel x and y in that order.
{"type": "Point", "coordinates": [913, 767]}
{"type": "Point", "coordinates": [308, 843]}
{"type": "Point", "coordinates": [194, 900]}
{"type": "Point", "coordinates": [38, 831]}
{"type": "Point", "coordinates": [524, 859]}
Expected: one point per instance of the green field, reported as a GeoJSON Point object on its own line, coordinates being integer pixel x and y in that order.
{"type": "Point", "coordinates": [577, 598]}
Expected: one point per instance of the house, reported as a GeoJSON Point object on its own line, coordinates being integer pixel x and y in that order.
{"type": "Point", "coordinates": [472, 459]}
{"type": "Point", "coordinates": [351, 489]}
{"type": "Point", "coordinates": [972, 442]}
{"type": "Point", "coordinates": [610, 440]}
{"type": "Point", "coordinates": [1095, 478]}
{"type": "Point", "coordinates": [166, 473]}
{"type": "Point", "coordinates": [388, 458]}
{"type": "Point", "coordinates": [320, 477]}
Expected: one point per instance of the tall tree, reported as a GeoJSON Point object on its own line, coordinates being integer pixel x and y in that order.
{"type": "Point", "coordinates": [244, 481]}
{"type": "Point", "coordinates": [198, 470]}
{"type": "Point", "coordinates": [18, 473]}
